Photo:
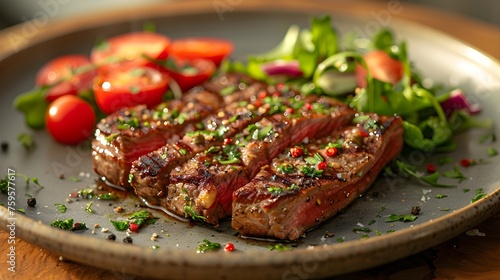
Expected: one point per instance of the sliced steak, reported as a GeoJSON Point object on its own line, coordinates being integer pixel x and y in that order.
{"type": "Point", "coordinates": [202, 188]}
{"type": "Point", "coordinates": [297, 192]}
{"type": "Point", "coordinates": [127, 134]}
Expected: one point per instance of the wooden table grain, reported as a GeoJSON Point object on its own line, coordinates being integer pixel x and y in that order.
{"type": "Point", "coordinates": [464, 257]}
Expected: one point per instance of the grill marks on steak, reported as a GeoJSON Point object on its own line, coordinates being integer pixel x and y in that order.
{"type": "Point", "coordinates": [129, 133]}
{"type": "Point", "coordinates": [202, 188]}
{"type": "Point", "coordinates": [291, 195]}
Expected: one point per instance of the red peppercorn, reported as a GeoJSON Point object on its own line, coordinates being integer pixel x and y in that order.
{"type": "Point", "coordinates": [322, 165]}
{"type": "Point", "coordinates": [229, 247]}
{"type": "Point", "coordinates": [289, 110]}
{"type": "Point", "coordinates": [262, 94]}
{"type": "Point", "coordinates": [332, 151]}
{"type": "Point", "coordinates": [133, 227]}
{"type": "Point", "coordinates": [363, 133]}
{"type": "Point", "coordinates": [296, 152]}
{"type": "Point", "coordinates": [465, 162]}
{"type": "Point", "coordinates": [227, 141]}
{"type": "Point", "coordinates": [308, 106]}
{"type": "Point", "coordinates": [431, 168]}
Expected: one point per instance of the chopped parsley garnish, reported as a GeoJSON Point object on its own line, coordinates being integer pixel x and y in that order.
{"type": "Point", "coordinates": [128, 124]}
{"type": "Point", "coordinates": [89, 207]}
{"type": "Point", "coordinates": [311, 171]}
{"type": "Point", "coordinates": [228, 90]}
{"type": "Point", "coordinates": [445, 209]}
{"type": "Point", "coordinates": [207, 246]}
{"type": "Point", "coordinates": [492, 152]}
{"type": "Point", "coordinates": [107, 196]}
{"type": "Point", "coordinates": [26, 140]}
{"type": "Point", "coordinates": [455, 174]}
{"type": "Point", "coordinates": [230, 154]}
{"type": "Point", "coordinates": [74, 179]}
{"type": "Point", "coordinates": [120, 225]}
{"type": "Point", "coordinates": [182, 151]}
{"type": "Point", "coordinates": [371, 222]}
{"type": "Point", "coordinates": [286, 168]}
{"type": "Point", "coordinates": [479, 195]}
{"type": "Point", "coordinates": [140, 218]}
{"type": "Point", "coordinates": [361, 229]}
{"type": "Point", "coordinates": [68, 225]}
{"type": "Point", "coordinates": [260, 134]}
{"type": "Point", "coordinates": [190, 212]}
{"type": "Point", "coordinates": [314, 160]}
{"type": "Point", "coordinates": [274, 190]}
{"type": "Point", "coordinates": [402, 218]}
{"type": "Point", "coordinates": [340, 239]}
{"type": "Point", "coordinates": [112, 137]}
{"type": "Point", "coordinates": [21, 210]}
{"type": "Point", "coordinates": [403, 169]}
{"type": "Point", "coordinates": [440, 196]}
{"type": "Point", "coordinates": [86, 193]}
{"type": "Point", "coordinates": [279, 247]}
{"type": "Point", "coordinates": [61, 207]}
{"type": "Point", "coordinates": [130, 177]}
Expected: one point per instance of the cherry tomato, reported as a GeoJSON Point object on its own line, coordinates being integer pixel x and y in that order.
{"type": "Point", "coordinates": [65, 75]}
{"type": "Point", "coordinates": [131, 48]}
{"type": "Point", "coordinates": [70, 120]}
{"type": "Point", "coordinates": [381, 66]}
{"type": "Point", "coordinates": [128, 85]}
{"type": "Point", "coordinates": [206, 48]}
{"type": "Point", "coordinates": [191, 73]}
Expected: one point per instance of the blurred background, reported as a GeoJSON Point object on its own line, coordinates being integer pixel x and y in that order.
{"type": "Point", "coordinates": [15, 11]}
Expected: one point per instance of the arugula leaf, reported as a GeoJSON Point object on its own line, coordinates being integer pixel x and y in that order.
{"type": "Point", "coordinates": [68, 225]}
{"type": "Point", "coordinates": [120, 225]}
{"type": "Point", "coordinates": [460, 121]}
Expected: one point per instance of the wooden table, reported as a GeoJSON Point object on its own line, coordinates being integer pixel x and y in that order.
{"type": "Point", "coordinates": [465, 257]}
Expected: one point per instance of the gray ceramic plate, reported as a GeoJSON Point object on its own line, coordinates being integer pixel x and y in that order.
{"type": "Point", "coordinates": [253, 28]}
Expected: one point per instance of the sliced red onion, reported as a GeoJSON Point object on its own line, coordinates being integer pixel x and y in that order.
{"type": "Point", "coordinates": [289, 68]}
{"type": "Point", "coordinates": [458, 101]}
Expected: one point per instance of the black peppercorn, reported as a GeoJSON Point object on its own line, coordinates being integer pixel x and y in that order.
{"type": "Point", "coordinates": [127, 239]}
{"type": "Point", "coordinates": [31, 202]}
{"type": "Point", "coordinates": [111, 237]}
{"type": "Point", "coordinates": [5, 146]}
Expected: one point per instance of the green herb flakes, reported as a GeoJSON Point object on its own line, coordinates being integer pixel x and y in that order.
{"type": "Point", "coordinates": [479, 195]}
{"type": "Point", "coordinates": [120, 225]}
{"type": "Point", "coordinates": [26, 140]}
{"type": "Point", "coordinates": [61, 207]}
{"type": "Point", "coordinates": [207, 246]}
{"type": "Point", "coordinates": [441, 196]}
{"type": "Point", "coordinates": [68, 225]}
{"type": "Point", "coordinates": [279, 247]}
{"type": "Point", "coordinates": [455, 174]}
{"type": "Point", "coordinates": [403, 218]}
{"type": "Point", "coordinates": [491, 152]}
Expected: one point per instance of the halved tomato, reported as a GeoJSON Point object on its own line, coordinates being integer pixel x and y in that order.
{"type": "Point", "coordinates": [382, 67]}
{"type": "Point", "coordinates": [133, 48]}
{"type": "Point", "coordinates": [128, 85]}
{"type": "Point", "coordinates": [189, 74]}
{"type": "Point", "coordinates": [205, 48]}
{"type": "Point", "coordinates": [66, 75]}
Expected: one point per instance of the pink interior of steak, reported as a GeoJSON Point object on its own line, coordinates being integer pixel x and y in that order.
{"type": "Point", "coordinates": [284, 202]}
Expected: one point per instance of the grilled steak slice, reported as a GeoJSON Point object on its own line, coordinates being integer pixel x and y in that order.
{"type": "Point", "coordinates": [294, 194]}
{"type": "Point", "coordinates": [150, 173]}
{"type": "Point", "coordinates": [129, 133]}
{"type": "Point", "coordinates": [202, 188]}
{"type": "Point", "coordinates": [126, 135]}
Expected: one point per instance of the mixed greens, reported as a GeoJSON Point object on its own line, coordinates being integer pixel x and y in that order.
{"type": "Point", "coordinates": [318, 61]}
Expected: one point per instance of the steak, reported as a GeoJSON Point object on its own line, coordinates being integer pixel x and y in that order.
{"type": "Point", "coordinates": [129, 133]}
{"type": "Point", "coordinates": [295, 193]}
{"type": "Point", "coordinates": [202, 188]}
